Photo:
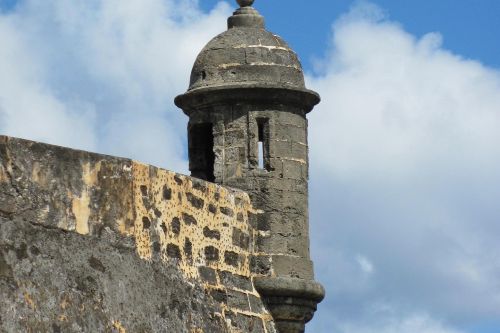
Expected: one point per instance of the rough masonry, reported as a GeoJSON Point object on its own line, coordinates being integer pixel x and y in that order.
{"type": "Point", "coordinates": [94, 243]}
{"type": "Point", "coordinates": [247, 104]}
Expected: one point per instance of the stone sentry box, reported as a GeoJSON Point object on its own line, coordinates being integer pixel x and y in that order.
{"type": "Point", "coordinates": [94, 243]}
{"type": "Point", "coordinates": [247, 90]}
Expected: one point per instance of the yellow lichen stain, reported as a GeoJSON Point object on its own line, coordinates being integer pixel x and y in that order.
{"type": "Point", "coordinates": [3, 175]}
{"type": "Point", "coordinates": [176, 218]}
{"type": "Point", "coordinates": [196, 330]}
{"type": "Point", "coordinates": [123, 228]}
{"type": "Point", "coordinates": [63, 318]}
{"type": "Point", "coordinates": [118, 327]}
{"type": "Point", "coordinates": [37, 175]}
{"type": "Point", "coordinates": [238, 172]}
{"type": "Point", "coordinates": [232, 64]}
{"type": "Point", "coordinates": [155, 214]}
{"type": "Point", "coordinates": [42, 214]}
{"type": "Point", "coordinates": [81, 210]}
{"type": "Point", "coordinates": [90, 173]}
{"type": "Point", "coordinates": [81, 205]}
{"type": "Point", "coordinates": [29, 300]}
{"type": "Point", "coordinates": [65, 303]}
{"type": "Point", "coordinates": [142, 234]}
{"type": "Point", "coordinates": [6, 165]}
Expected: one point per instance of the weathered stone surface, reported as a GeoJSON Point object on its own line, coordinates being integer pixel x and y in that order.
{"type": "Point", "coordinates": [232, 258]}
{"type": "Point", "coordinates": [245, 323]}
{"type": "Point", "coordinates": [59, 186]}
{"type": "Point", "coordinates": [208, 275]}
{"type": "Point", "coordinates": [93, 243]}
{"type": "Point", "coordinates": [235, 281]}
{"type": "Point", "coordinates": [292, 301]}
{"type": "Point", "coordinates": [241, 57]}
{"type": "Point", "coordinates": [247, 93]}
{"type": "Point", "coordinates": [67, 282]}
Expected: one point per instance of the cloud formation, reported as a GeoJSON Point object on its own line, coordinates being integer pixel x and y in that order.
{"type": "Point", "coordinates": [102, 75]}
{"type": "Point", "coordinates": [405, 180]}
{"type": "Point", "coordinates": [404, 146]}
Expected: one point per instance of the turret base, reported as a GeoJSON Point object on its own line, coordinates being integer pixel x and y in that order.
{"type": "Point", "coordinates": [291, 301]}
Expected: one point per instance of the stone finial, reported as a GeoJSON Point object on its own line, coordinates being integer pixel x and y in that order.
{"type": "Point", "coordinates": [245, 3]}
{"type": "Point", "coordinates": [246, 16]}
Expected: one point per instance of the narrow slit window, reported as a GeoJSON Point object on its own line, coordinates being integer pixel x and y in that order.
{"type": "Point", "coordinates": [263, 143]}
{"type": "Point", "coordinates": [261, 155]}
{"type": "Point", "coordinates": [201, 151]}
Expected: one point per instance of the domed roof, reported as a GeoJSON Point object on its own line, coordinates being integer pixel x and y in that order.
{"type": "Point", "coordinates": [246, 63]}
{"type": "Point", "coordinates": [247, 55]}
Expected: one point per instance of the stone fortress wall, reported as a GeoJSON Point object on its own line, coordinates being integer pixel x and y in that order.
{"type": "Point", "coordinates": [93, 243]}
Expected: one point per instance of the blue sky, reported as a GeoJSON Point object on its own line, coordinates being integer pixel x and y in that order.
{"type": "Point", "coordinates": [470, 27]}
{"type": "Point", "coordinates": [404, 151]}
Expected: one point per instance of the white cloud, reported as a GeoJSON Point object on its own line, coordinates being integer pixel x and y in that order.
{"type": "Point", "coordinates": [412, 324]}
{"type": "Point", "coordinates": [405, 170]}
{"type": "Point", "coordinates": [404, 146]}
{"type": "Point", "coordinates": [25, 103]}
{"type": "Point", "coordinates": [365, 264]}
{"type": "Point", "coordinates": [102, 75]}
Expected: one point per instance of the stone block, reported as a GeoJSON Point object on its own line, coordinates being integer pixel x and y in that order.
{"type": "Point", "coordinates": [241, 239]}
{"type": "Point", "coordinates": [293, 169]}
{"type": "Point", "coordinates": [219, 295]}
{"type": "Point", "coordinates": [232, 154]}
{"type": "Point", "coordinates": [188, 249]}
{"type": "Point", "coordinates": [174, 252]}
{"type": "Point", "coordinates": [292, 117]}
{"type": "Point", "coordinates": [208, 275]}
{"type": "Point", "coordinates": [189, 219]}
{"type": "Point", "coordinates": [298, 151]}
{"type": "Point", "coordinates": [281, 148]}
{"type": "Point", "coordinates": [298, 246]}
{"type": "Point", "coordinates": [195, 201]}
{"type": "Point", "coordinates": [227, 211]}
{"type": "Point", "coordinates": [212, 208]}
{"type": "Point", "coordinates": [212, 234]}
{"type": "Point", "coordinates": [260, 264]}
{"type": "Point", "coordinates": [232, 259]}
{"type": "Point", "coordinates": [291, 133]}
{"type": "Point", "coordinates": [271, 244]}
{"type": "Point", "coordinates": [288, 224]}
{"type": "Point", "coordinates": [237, 300]}
{"type": "Point", "coordinates": [235, 281]}
{"type": "Point", "coordinates": [295, 267]}
{"type": "Point", "coordinates": [211, 253]}
{"type": "Point", "coordinates": [263, 221]}
{"type": "Point", "coordinates": [256, 304]}
{"type": "Point", "coordinates": [233, 172]}
{"type": "Point", "coordinates": [234, 137]}
{"type": "Point", "coordinates": [245, 323]}
{"type": "Point", "coordinates": [176, 225]}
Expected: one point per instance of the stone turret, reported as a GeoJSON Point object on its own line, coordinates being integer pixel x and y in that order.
{"type": "Point", "coordinates": [247, 105]}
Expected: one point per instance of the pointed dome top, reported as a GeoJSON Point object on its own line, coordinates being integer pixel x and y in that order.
{"type": "Point", "coordinates": [245, 3]}
{"type": "Point", "coordinates": [247, 54]}
{"type": "Point", "coordinates": [246, 16]}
